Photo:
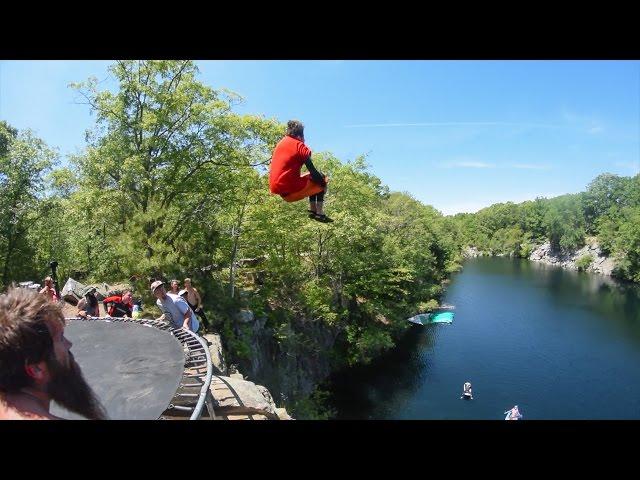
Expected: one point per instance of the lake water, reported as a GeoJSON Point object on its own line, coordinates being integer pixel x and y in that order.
{"type": "Point", "coordinates": [558, 343]}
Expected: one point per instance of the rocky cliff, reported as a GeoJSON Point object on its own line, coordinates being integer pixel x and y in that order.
{"type": "Point", "coordinates": [291, 360]}
{"type": "Point", "coordinates": [235, 398]}
{"type": "Point", "coordinates": [599, 263]}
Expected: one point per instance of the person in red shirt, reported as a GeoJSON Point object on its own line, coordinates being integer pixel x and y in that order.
{"type": "Point", "coordinates": [284, 174]}
{"type": "Point", "coordinates": [120, 306]}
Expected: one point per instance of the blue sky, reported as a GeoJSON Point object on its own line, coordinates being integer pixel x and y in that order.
{"type": "Point", "coordinates": [458, 135]}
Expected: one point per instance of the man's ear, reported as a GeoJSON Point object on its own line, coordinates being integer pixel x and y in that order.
{"type": "Point", "coordinates": [36, 371]}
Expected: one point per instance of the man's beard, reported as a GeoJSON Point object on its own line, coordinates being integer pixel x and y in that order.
{"type": "Point", "coordinates": [69, 388]}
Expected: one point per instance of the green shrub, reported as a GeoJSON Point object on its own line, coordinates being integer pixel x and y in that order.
{"type": "Point", "coordinates": [583, 262]}
{"type": "Point", "coordinates": [314, 407]}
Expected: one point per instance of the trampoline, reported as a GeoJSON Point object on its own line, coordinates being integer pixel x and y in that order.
{"type": "Point", "coordinates": [142, 369]}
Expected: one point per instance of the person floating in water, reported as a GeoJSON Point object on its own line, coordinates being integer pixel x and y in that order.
{"type": "Point", "coordinates": [513, 414]}
{"type": "Point", "coordinates": [284, 174]}
{"type": "Point", "coordinates": [466, 391]}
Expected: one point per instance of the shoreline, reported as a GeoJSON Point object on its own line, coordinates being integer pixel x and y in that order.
{"type": "Point", "coordinates": [594, 261]}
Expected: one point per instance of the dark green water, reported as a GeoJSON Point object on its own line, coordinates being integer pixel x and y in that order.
{"type": "Point", "coordinates": [558, 343]}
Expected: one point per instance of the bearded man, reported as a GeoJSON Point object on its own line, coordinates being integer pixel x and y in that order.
{"type": "Point", "coordinates": [36, 363]}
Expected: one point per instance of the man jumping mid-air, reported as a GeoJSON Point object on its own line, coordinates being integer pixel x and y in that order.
{"type": "Point", "coordinates": [284, 175]}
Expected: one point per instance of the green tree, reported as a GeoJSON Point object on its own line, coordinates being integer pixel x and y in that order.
{"type": "Point", "coordinates": [24, 161]}
{"type": "Point", "coordinates": [627, 244]}
{"type": "Point", "coordinates": [604, 192]}
{"type": "Point", "coordinates": [165, 154]}
{"type": "Point", "coordinates": [564, 222]}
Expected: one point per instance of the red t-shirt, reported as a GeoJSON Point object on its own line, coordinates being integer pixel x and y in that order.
{"type": "Point", "coordinates": [286, 163]}
{"type": "Point", "coordinates": [118, 308]}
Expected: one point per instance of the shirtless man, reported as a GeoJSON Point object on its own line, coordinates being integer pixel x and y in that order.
{"type": "Point", "coordinates": [194, 300]}
{"type": "Point", "coordinates": [49, 290]}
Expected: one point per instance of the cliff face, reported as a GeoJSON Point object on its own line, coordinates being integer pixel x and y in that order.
{"type": "Point", "coordinates": [291, 361]}
{"type": "Point", "coordinates": [235, 398]}
{"type": "Point", "coordinates": [545, 254]}
{"type": "Point", "coordinates": [600, 263]}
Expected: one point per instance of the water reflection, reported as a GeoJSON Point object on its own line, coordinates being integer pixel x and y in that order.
{"type": "Point", "coordinates": [380, 388]}
{"type": "Point", "coordinates": [618, 301]}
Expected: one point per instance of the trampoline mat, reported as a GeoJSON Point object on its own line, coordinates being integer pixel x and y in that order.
{"type": "Point", "coordinates": [134, 369]}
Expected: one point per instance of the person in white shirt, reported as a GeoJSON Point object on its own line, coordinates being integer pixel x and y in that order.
{"type": "Point", "coordinates": [175, 308]}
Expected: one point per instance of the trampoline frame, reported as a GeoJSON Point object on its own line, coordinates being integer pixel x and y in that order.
{"type": "Point", "coordinates": [197, 358]}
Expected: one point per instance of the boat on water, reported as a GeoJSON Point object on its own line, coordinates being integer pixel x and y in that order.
{"type": "Point", "coordinates": [436, 317]}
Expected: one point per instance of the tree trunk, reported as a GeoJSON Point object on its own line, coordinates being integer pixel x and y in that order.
{"type": "Point", "coordinates": [235, 233]}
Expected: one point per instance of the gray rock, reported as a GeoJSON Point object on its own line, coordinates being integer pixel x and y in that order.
{"type": "Point", "coordinates": [260, 323]}
{"type": "Point", "coordinates": [606, 266]}
{"type": "Point", "coordinates": [265, 393]}
{"type": "Point", "coordinates": [232, 396]}
{"type": "Point", "coordinates": [217, 356]}
{"type": "Point", "coordinates": [30, 285]}
{"type": "Point", "coordinates": [282, 414]}
{"type": "Point", "coordinates": [72, 291]}
{"type": "Point", "coordinates": [600, 263]}
{"type": "Point", "coordinates": [245, 316]}
{"type": "Point", "coordinates": [471, 252]}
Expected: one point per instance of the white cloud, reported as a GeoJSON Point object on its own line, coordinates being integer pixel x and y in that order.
{"type": "Point", "coordinates": [590, 123]}
{"type": "Point", "coordinates": [468, 164]}
{"type": "Point", "coordinates": [452, 124]}
{"type": "Point", "coordinates": [530, 166]}
{"type": "Point", "coordinates": [465, 161]}
{"type": "Point", "coordinates": [471, 163]}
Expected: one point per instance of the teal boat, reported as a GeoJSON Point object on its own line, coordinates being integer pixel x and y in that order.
{"type": "Point", "coordinates": [426, 318]}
